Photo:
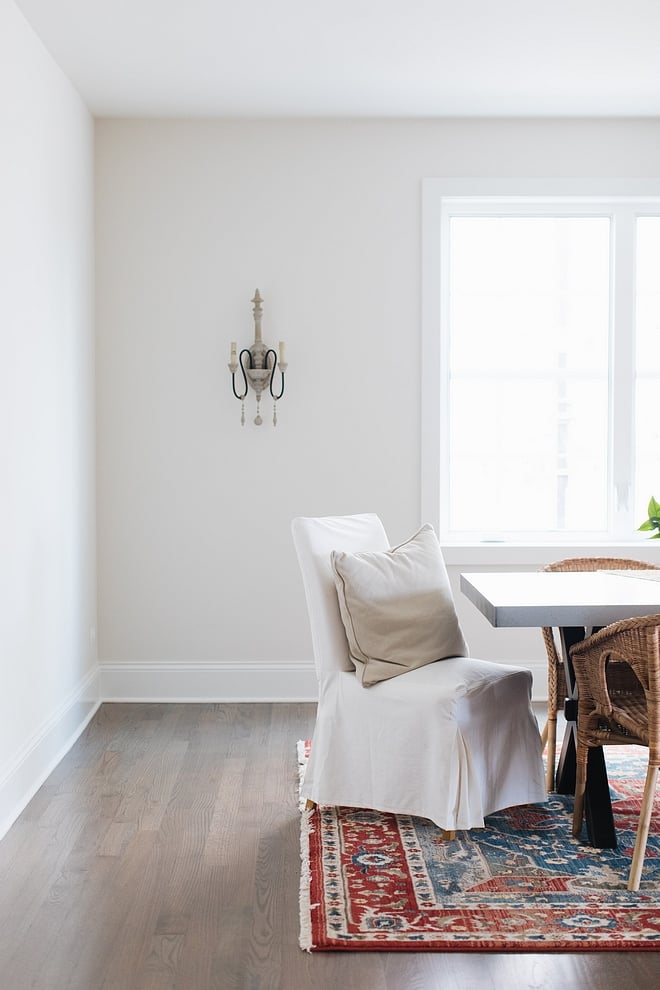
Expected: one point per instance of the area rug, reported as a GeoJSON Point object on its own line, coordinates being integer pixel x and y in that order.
{"type": "Point", "coordinates": [372, 881]}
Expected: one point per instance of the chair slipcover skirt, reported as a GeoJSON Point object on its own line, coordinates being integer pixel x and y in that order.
{"type": "Point", "coordinates": [452, 742]}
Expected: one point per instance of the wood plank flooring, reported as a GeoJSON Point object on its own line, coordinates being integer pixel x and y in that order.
{"type": "Point", "coordinates": [163, 854]}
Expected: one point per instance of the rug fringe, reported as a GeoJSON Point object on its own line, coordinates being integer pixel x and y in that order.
{"type": "Point", "coordinates": [302, 761]}
{"type": "Point", "coordinates": [306, 829]}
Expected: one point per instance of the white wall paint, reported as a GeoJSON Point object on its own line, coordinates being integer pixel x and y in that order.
{"type": "Point", "coordinates": [47, 481]}
{"type": "Point", "coordinates": [196, 564]}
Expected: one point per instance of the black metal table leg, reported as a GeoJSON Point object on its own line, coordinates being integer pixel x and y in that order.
{"type": "Point", "coordinates": [597, 802]}
{"type": "Point", "coordinates": [565, 778]}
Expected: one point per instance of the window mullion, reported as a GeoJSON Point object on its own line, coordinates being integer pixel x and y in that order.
{"type": "Point", "coordinates": [622, 373]}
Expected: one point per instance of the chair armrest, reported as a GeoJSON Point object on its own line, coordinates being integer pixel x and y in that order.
{"type": "Point", "coordinates": [630, 641]}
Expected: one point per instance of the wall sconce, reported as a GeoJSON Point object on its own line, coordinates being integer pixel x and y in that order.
{"type": "Point", "coordinates": [258, 365]}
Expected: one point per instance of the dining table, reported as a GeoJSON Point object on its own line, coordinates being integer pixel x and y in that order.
{"type": "Point", "coordinates": [576, 604]}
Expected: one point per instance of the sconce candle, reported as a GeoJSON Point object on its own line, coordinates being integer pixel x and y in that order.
{"type": "Point", "coordinates": [258, 365]}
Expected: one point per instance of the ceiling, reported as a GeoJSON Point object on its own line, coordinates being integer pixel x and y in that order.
{"type": "Point", "coordinates": [384, 58]}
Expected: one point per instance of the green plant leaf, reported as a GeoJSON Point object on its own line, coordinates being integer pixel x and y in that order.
{"type": "Point", "coordinates": [653, 521]}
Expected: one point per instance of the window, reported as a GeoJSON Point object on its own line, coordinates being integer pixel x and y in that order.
{"type": "Point", "coordinates": [541, 361]}
{"type": "Point", "coordinates": [647, 360]}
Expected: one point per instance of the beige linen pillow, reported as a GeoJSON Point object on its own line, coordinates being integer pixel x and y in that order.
{"type": "Point", "coordinates": [397, 607]}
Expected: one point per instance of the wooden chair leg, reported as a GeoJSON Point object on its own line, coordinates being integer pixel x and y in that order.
{"type": "Point", "coordinates": [643, 829]}
{"type": "Point", "coordinates": [309, 804]}
{"type": "Point", "coordinates": [448, 834]}
{"type": "Point", "coordinates": [551, 734]}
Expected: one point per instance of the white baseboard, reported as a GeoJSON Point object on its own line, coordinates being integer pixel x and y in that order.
{"type": "Point", "coordinates": [25, 772]}
{"type": "Point", "coordinates": [207, 681]}
{"type": "Point", "coordinates": [227, 681]}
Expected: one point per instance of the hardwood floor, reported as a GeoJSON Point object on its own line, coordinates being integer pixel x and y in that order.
{"type": "Point", "coordinates": [163, 854]}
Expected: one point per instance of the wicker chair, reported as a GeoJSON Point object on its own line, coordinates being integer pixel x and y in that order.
{"type": "Point", "coordinates": [615, 710]}
{"type": "Point", "coordinates": [557, 692]}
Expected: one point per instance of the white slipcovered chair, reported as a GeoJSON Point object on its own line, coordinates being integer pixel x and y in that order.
{"type": "Point", "coordinates": [451, 741]}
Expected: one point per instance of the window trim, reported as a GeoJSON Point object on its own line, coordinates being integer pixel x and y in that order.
{"type": "Point", "coordinates": [597, 193]}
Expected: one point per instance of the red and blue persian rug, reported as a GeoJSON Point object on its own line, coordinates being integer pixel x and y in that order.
{"type": "Point", "coordinates": [373, 881]}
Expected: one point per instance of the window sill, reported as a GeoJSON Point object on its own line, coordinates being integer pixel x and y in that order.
{"type": "Point", "coordinates": [535, 555]}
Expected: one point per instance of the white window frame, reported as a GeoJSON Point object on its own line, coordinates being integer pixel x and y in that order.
{"type": "Point", "coordinates": [623, 200]}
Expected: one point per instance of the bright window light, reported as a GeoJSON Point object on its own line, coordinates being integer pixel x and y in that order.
{"type": "Point", "coordinates": [541, 364]}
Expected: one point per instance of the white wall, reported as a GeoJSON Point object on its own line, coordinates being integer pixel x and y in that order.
{"type": "Point", "coordinates": [47, 482]}
{"type": "Point", "coordinates": [199, 593]}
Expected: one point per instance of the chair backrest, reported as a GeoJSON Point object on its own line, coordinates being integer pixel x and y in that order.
{"type": "Point", "coordinates": [585, 564]}
{"type": "Point", "coordinates": [314, 540]}
{"type": "Point", "coordinates": [600, 564]}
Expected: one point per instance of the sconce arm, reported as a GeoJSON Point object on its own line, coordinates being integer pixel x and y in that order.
{"type": "Point", "coordinates": [234, 368]}
{"type": "Point", "coordinates": [275, 366]}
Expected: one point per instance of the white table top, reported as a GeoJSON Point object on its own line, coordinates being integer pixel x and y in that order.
{"type": "Point", "coordinates": [561, 598]}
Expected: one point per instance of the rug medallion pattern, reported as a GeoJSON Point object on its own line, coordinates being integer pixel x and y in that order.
{"type": "Point", "coordinates": [522, 883]}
